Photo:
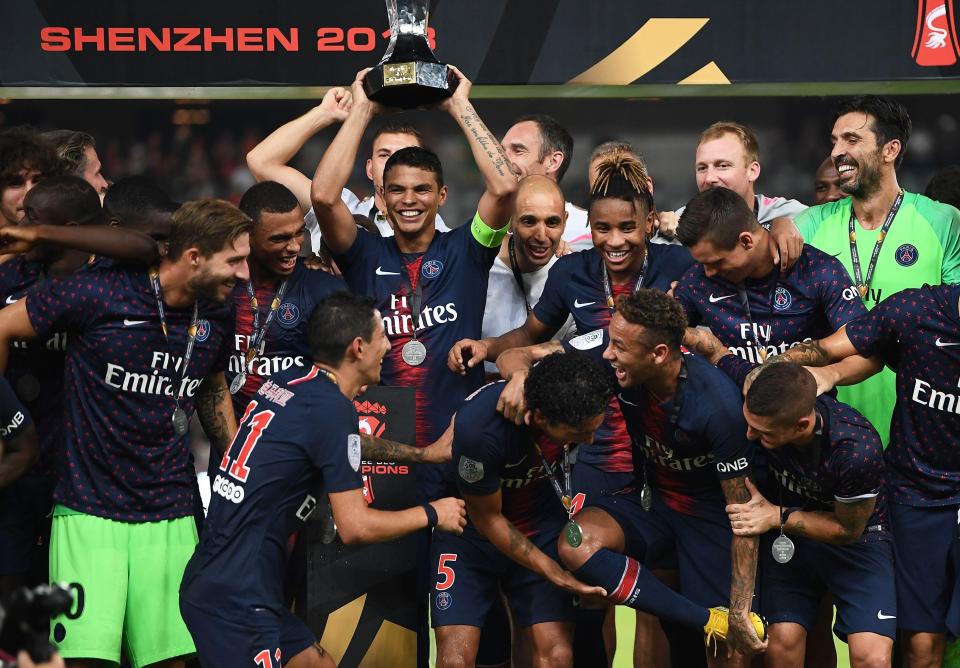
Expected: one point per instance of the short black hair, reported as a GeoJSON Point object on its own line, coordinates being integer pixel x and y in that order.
{"type": "Point", "coordinates": [553, 137]}
{"type": "Point", "coordinates": [783, 392]}
{"type": "Point", "coordinates": [661, 316]}
{"type": "Point", "coordinates": [21, 148]}
{"type": "Point", "coordinates": [945, 186]}
{"type": "Point", "coordinates": [718, 214]}
{"type": "Point", "coordinates": [336, 322]}
{"type": "Point", "coordinates": [398, 127]}
{"type": "Point", "coordinates": [891, 120]}
{"type": "Point", "coordinates": [133, 197]}
{"type": "Point", "coordinates": [415, 156]}
{"type": "Point", "coordinates": [267, 197]}
{"type": "Point", "coordinates": [567, 388]}
{"type": "Point", "coordinates": [69, 199]}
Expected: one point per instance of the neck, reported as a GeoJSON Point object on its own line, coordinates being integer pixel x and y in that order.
{"type": "Point", "coordinates": [175, 282]}
{"type": "Point", "coordinates": [260, 275]}
{"type": "Point", "coordinates": [764, 254]}
{"type": "Point", "coordinates": [415, 243]}
{"type": "Point", "coordinates": [630, 273]}
{"type": "Point", "coordinates": [381, 205]}
{"type": "Point", "coordinates": [348, 380]}
{"type": "Point", "coordinates": [68, 263]}
{"type": "Point", "coordinates": [806, 436]}
{"type": "Point", "coordinates": [664, 385]}
{"type": "Point", "coordinates": [872, 209]}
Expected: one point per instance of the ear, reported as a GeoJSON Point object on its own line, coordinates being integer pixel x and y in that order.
{"type": "Point", "coordinates": [192, 256]}
{"type": "Point", "coordinates": [536, 419]}
{"type": "Point", "coordinates": [357, 348]}
{"type": "Point", "coordinates": [651, 222]}
{"type": "Point", "coordinates": [753, 171]}
{"type": "Point", "coordinates": [891, 150]}
{"type": "Point", "coordinates": [554, 160]}
{"type": "Point", "coordinates": [443, 196]}
{"type": "Point", "coordinates": [803, 424]}
{"type": "Point", "coordinates": [661, 353]}
{"type": "Point", "coordinates": [650, 184]}
{"type": "Point", "coordinates": [370, 169]}
{"type": "Point", "coordinates": [746, 241]}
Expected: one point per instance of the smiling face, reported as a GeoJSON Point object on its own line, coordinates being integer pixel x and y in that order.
{"type": "Point", "coordinates": [412, 196]}
{"type": "Point", "coordinates": [11, 199]}
{"type": "Point", "coordinates": [632, 359]}
{"type": "Point", "coordinates": [857, 155]}
{"type": "Point", "coordinates": [538, 225]}
{"type": "Point", "coordinates": [217, 275]}
{"type": "Point", "coordinates": [276, 242]}
{"type": "Point", "coordinates": [370, 359]}
{"type": "Point", "coordinates": [723, 162]}
{"type": "Point", "coordinates": [384, 146]}
{"type": "Point", "coordinates": [619, 230]}
{"type": "Point", "coordinates": [826, 184]}
{"type": "Point", "coordinates": [523, 145]}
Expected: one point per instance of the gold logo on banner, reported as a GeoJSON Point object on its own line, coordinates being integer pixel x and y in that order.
{"type": "Point", "coordinates": [394, 645]}
{"type": "Point", "coordinates": [653, 43]}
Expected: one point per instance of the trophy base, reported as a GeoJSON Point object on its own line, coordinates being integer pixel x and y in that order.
{"type": "Point", "coordinates": [408, 85]}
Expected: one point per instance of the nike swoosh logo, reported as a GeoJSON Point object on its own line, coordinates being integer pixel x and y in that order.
{"type": "Point", "coordinates": [577, 304]}
{"type": "Point", "coordinates": [944, 344]}
{"type": "Point", "coordinates": [12, 300]}
{"type": "Point", "coordinates": [714, 300]}
{"type": "Point", "coordinates": [880, 615]}
{"type": "Point", "coordinates": [620, 396]}
{"type": "Point", "coordinates": [130, 323]}
{"type": "Point", "coordinates": [381, 272]}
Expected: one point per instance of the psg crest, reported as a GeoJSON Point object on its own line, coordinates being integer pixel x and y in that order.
{"type": "Point", "coordinates": [782, 300]}
{"type": "Point", "coordinates": [907, 255]}
{"type": "Point", "coordinates": [203, 330]}
{"type": "Point", "coordinates": [288, 314]}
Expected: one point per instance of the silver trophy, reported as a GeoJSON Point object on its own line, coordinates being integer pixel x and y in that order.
{"type": "Point", "coordinates": [409, 75]}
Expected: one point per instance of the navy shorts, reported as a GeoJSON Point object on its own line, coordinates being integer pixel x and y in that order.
{"type": "Point", "coordinates": [860, 577]}
{"type": "Point", "coordinates": [928, 567]}
{"type": "Point", "coordinates": [701, 543]}
{"type": "Point", "coordinates": [260, 638]}
{"type": "Point", "coordinates": [471, 571]}
{"type": "Point", "coordinates": [590, 482]}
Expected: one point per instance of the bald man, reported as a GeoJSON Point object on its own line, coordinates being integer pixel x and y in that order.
{"type": "Point", "coordinates": [520, 270]}
{"type": "Point", "coordinates": [826, 183]}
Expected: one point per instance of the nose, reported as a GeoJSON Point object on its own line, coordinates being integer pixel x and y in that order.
{"type": "Point", "coordinates": [243, 272]}
{"type": "Point", "coordinates": [751, 434]}
{"type": "Point", "coordinates": [608, 353]}
{"type": "Point", "coordinates": [709, 271]}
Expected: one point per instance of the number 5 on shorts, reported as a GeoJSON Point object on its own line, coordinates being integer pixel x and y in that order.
{"type": "Point", "coordinates": [446, 571]}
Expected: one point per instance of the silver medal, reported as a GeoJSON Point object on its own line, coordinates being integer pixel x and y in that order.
{"type": "Point", "coordinates": [413, 352]}
{"type": "Point", "coordinates": [783, 549]}
{"type": "Point", "coordinates": [238, 382]}
{"type": "Point", "coordinates": [646, 497]}
{"type": "Point", "coordinates": [179, 421]}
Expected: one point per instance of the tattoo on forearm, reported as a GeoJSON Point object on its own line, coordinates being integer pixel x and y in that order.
{"type": "Point", "coordinates": [519, 544]}
{"type": "Point", "coordinates": [479, 131]}
{"type": "Point", "coordinates": [210, 410]}
{"type": "Point", "coordinates": [383, 450]}
{"type": "Point", "coordinates": [743, 552]}
{"type": "Point", "coordinates": [808, 353]}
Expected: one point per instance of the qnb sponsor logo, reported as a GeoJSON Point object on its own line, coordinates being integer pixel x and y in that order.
{"type": "Point", "coordinates": [162, 379]}
{"type": "Point", "coordinates": [533, 474]}
{"type": "Point", "coordinates": [231, 491]}
{"type": "Point", "coordinates": [732, 467]}
{"type": "Point", "coordinates": [15, 422]}
{"type": "Point", "coordinates": [791, 483]}
{"type": "Point", "coordinates": [925, 395]}
{"type": "Point", "coordinates": [661, 455]}
{"type": "Point", "coordinates": [402, 323]}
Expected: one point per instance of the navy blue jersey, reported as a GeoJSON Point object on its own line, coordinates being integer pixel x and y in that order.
{"type": "Point", "coordinates": [686, 445]}
{"type": "Point", "coordinates": [843, 464]}
{"type": "Point", "coordinates": [453, 273]}
{"type": "Point", "coordinates": [491, 453]}
{"type": "Point", "coordinates": [575, 287]}
{"type": "Point", "coordinates": [815, 299]}
{"type": "Point", "coordinates": [268, 482]}
{"type": "Point", "coordinates": [121, 458]}
{"type": "Point", "coordinates": [285, 344]}
{"type": "Point", "coordinates": [917, 333]}
{"type": "Point", "coordinates": [14, 418]}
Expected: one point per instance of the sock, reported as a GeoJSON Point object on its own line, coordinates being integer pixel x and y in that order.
{"type": "Point", "coordinates": [588, 647]}
{"type": "Point", "coordinates": [629, 583]}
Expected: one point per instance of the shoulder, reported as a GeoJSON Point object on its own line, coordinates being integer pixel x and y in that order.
{"type": "Point", "coordinates": [706, 380]}
{"type": "Point", "coordinates": [671, 255]}
{"type": "Point", "coordinates": [478, 414]}
{"type": "Point", "coordinates": [769, 208]}
{"type": "Point", "coordinates": [576, 262]}
{"type": "Point", "coordinates": [839, 210]}
{"type": "Point", "coordinates": [937, 214]}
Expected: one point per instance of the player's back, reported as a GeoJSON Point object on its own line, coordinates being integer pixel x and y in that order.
{"type": "Point", "coordinates": [268, 483]}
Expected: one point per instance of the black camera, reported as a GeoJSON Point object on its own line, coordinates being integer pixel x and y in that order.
{"type": "Point", "coordinates": [29, 612]}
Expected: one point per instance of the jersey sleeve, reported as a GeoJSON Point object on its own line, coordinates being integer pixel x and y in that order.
{"type": "Point", "coordinates": [808, 222]}
{"type": "Point", "coordinates": [949, 235]}
{"type": "Point", "coordinates": [359, 263]}
{"type": "Point", "coordinates": [337, 451]}
{"type": "Point", "coordinates": [70, 304]}
{"type": "Point", "coordinates": [14, 418]}
{"type": "Point", "coordinates": [684, 295]}
{"type": "Point", "coordinates": [551, 310]}
{"type": "Point", "coordinates": [483, 241]}
{"type": "Point", "coordinates": [857, 465]}
{"type": "Point", "coordinates": [478, 458]}
{"type": "Point", "coordinates": [725, 429]}
{"type": "Point", "coordinates": [876, 331]}
{"type": "Point", "coordinates": [736, 368]}
{"type": "Point", "coordinates": [841, 301]}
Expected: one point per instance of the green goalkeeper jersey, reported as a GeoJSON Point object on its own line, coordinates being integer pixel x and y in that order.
{"type": "Point", "coordinates": [921, 246]}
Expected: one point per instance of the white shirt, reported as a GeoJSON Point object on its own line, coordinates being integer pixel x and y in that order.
{"type": "Point", "coordinates": [766, 208]}
{"type": "Point", "coordinates": [506, 310]}
{"type": "Point", "coordinates": [577, 231]}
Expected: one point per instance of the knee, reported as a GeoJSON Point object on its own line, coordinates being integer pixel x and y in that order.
{"type": "Point", "coordinates": [453, 657]}
{"type": "Point", "coordinates": [925, 649]}
{"type": "Point", "coordinates": [573, 557]}
{"type": "Point", "coordinates": [558, 655]}
{"type": "Point", "coordinates": [787, 645]}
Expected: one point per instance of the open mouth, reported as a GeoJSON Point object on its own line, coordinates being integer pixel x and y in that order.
{"type": "Point", "coordinates": [538, 252]}
{"type": "Point", "coordinates": [409, 214]}
{"type": "Point", "coordinates": [288, 263]}
{"type": "Point", "coordinates": [617, 256]}
{"type": "Point", "coordinates": [846, 170]}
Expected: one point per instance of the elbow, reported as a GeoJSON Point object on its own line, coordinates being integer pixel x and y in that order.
{"type": "Point", "coordinates": [353, 533]}
{"type": "Point", "coordinates": [323, 197]}
{"type": "Point", "coordinates": [256, 164]}
{"type": "Point", "coordinates": [504, 189]}
{"type": "Point", "coordinates": [847, 536]}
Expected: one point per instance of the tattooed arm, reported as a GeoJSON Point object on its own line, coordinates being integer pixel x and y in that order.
{"type": "Point", "coordinates": [215, 412]}
{"type": "Point", "coordinates": [742, 636]}
{"type": "Point", "coordinates": [705, 343]}
{"type": "Point", "coordinates": [496, 204]}
{"type": "Point", "coordinates": [383, 450]}
{"type": "Point", "coordinates": [485, 513]}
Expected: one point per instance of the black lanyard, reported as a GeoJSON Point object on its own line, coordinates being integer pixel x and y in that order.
{"type": "Point", "coordinates": [191, 332]}
{"type": "Point", "coordinates": [414, 292]}
{"type": "Point", "coordinates": [565, 493]}
{"type": "Point", "coordinates": [259, 333]}
{"type": "Point", "coordinates": [745, 304]}
{"type": "Point", "coordinates": [815, 456]}
{"type": "Point", "coordinates": [636, 286]}
{"type": "Point", "coordinates": [516, 272]}
{"type": "Point", "coordinates": [863, 283]}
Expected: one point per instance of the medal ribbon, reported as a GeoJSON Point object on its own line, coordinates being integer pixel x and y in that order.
{"type": "Point", "coordinates": [260, 333]}
{"type": "Point", "coordinates": [636, 286]}
{"type": "Point", "coordinates": [414, 290]}
{"type": "Point", "coordinates": [745, 304]}
{"type": "Point", "coordinates": [863, 283]}
{"type": "Point", "coordinates": [191, 331]}
{"type": "Point", "coordinates": [516, 272]}
{"type": "Point", "coordinates": [565, 493]}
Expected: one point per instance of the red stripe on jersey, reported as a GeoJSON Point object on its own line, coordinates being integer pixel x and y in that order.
{"type": "Point", "coordinates": [314, 372]}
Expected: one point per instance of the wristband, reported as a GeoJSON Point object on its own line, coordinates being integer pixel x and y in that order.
{"type": "Point", "coordinates": [785, 513]}
{"type": "Point", "coordinates": [432, 519]}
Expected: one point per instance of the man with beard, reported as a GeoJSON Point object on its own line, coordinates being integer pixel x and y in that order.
{"type": "Point", "coordinates": [886, 238]}
{"type": "Point", "coordinates": [25, 159]}
{"type": "Point", "coordinates": [146, 349]}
